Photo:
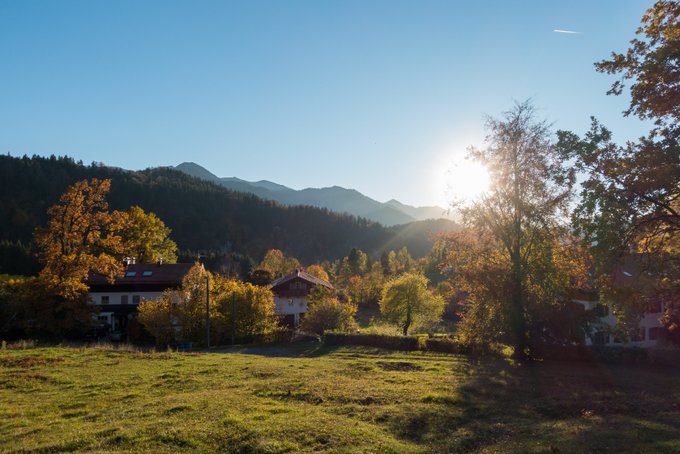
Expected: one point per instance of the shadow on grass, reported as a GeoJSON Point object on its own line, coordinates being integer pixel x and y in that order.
{"type": "Point", "coordinates": [549, 407]}
{"type": "Point", "coordinates": [284, 350]}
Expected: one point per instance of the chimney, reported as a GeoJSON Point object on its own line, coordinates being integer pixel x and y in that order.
{"type": "Point", "coordinates": [126, 261]}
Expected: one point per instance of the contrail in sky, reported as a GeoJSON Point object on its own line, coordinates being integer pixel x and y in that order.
{"type": "Point", "coordinates": [569, 32]}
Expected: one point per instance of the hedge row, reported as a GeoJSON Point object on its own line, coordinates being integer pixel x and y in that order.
{"type": "Point", "coordinates": [605, 354]}
{"type": "Point", "coordinates": [408, 343]}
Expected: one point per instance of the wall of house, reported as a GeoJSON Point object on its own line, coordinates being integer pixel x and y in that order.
{"type": "Point", "coordinates": [294, 305]}
{"type": "Point", "coordinates": [649, 325]}
{"type": "Point", "coordinates": [117, 300]}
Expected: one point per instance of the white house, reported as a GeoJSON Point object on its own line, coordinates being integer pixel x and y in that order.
{"type": "Point", "coordinates": [291, 292]}
{"type": "Point", "coordinates": [118, 301]}
{"type": "Point", "coordinates": [628, 275]}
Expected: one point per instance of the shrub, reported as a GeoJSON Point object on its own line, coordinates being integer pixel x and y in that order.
{"type": "Point", "coordinates": [328, 313]}
{"type": "Point", "coordinates": [446, 345]}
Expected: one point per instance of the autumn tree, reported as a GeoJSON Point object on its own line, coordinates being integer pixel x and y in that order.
{"type": "Point", "coordinates": [513, 233]}
{"type": "Point", "coordinates": [241, 311]}
{"type": "Point", "coordinates": [146, 237]}
{"type": "Point", "coordinates": [81, 237]}
{"type": "Point", "coordinates": [277, 264]}
{"type": "Point", "coordinates": [652, 66]}
{"type": "Point", "coordinates": [318, 272]}
{"type": "Point", "coordinates": [406, 301]}
{"type": "Point", "coordinates": [327, 313]}
{"type": "Point", "coordinates": [630, 199]}
{"type": "Point", "coordinates": [179, 314]}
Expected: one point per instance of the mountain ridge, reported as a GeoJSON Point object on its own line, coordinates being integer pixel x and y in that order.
{"type": "Point", "coordinates": [335, 198]}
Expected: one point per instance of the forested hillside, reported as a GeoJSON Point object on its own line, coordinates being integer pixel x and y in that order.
{"type": "Point", "coordinates": [203, 216]}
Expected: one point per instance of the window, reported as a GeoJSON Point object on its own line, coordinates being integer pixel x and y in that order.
{"type": "Point", "coordinates": [123, 299]}
{"type": "Point", "coordinates": [105, 299]}
{"type": "Point", "coordinates": [290, 302]}
{"type": "Point", "coordinates": [135, 299]}
{"type": "Point", "coordinates": [130, 273]}
{"type": "Point", "coordinates": [638, 335]}
{"type": "Point", "coordinates": [147, 273]}
{"type": "Point", "coordinates": [302, 303]}
{"type": "Point", "coordinates": [654, 333]}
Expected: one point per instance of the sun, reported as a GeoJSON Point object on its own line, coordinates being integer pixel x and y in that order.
{"type": "Point", "coordinates": [466, 180]}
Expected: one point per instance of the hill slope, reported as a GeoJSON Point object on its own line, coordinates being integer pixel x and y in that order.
{"type": "Point", "coordinates": [202, 215]}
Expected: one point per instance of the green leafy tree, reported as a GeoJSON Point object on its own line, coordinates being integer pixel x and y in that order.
{"type": "Point", "coordinates": [146, 237]}
{"type": "Point", "coordinates": [407, 301]}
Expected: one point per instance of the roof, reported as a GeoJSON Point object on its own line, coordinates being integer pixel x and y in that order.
{"type": "Point", "coordinates": [167, 275]}
{"type": "Point", "coordinates": [305, 276]}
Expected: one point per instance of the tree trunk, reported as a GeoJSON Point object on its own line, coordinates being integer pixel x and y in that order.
{"type": "Point", "coordinates": [407, 323]}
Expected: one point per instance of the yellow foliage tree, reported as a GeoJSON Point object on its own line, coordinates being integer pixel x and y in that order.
{"type": "Point", "coordinates": [81, 237]}
{"type": "Point", "coordinates": [146, 237]}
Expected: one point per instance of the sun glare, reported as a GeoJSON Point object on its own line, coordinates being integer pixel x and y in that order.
{"type": "Point", "coordinates": [466, 181]}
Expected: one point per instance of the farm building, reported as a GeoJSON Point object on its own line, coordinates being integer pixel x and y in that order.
{"type": "Point", "coordinates": [291, 292]}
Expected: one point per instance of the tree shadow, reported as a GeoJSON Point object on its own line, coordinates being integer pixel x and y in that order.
{"type": "Point", "coordinates": [310, 349]}
{"type": "Point", "coordinates": [551, 406]}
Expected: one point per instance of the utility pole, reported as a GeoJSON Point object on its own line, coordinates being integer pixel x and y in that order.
{"type": "Point", "coordinates": [207, 310]}
{"type": "Point", "coordinates": [233, 319]}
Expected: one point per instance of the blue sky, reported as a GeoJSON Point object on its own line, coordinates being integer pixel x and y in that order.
{"type": "Point", "coordinates": [379, 96]}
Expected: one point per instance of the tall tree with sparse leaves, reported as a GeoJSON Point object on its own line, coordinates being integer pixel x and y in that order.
{"type": "Point", "coordinates": [514, 231]}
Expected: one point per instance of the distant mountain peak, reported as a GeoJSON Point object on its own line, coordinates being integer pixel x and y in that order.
{"type": "Point", "coordinates": [335, 198]}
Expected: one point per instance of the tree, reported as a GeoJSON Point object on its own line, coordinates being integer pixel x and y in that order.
{"type": "Point", "coordinates": [318, 272]}
{"type": "Point", "coordinates": [406, 301]}
{"type": "Point", "coordinates": [241, 311]}
{"type": "Point", "coordinates": [514, 232]}
{"type": "Point", "coordinates": [146, 237]}
{"type": "Point", "coordinates": [178, 315]}
{"type": "Point", "coordinates": [30, 309]}
{"type": "Point", "coordinates": [653, 64]}
{"type": "Point", "coordinates": [326, 313]}
{"type": "Point", "coordinates": [277, 264]}
{"type": "Point", "coordinates": [160, 317]}
{"type": "Point", "coordinates": [81, 237]}
{"type": "Point", "coordinates": [630, 200]}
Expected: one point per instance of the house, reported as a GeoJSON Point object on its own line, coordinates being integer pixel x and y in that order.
{"type": "Point", "coordinates": [118, 301]}
{"type": "Point", "coordinates": [290, 295]}
{"type": "Point", "coordinates": [630, 275]}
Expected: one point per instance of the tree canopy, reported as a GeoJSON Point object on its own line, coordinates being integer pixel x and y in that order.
{"type": "Point", "coordinates": [81, 236]}
{"type": "Point", "coordinates": [406, 301]}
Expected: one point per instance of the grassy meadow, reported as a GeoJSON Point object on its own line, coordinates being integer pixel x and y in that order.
{"type": "Point", "coordinates": [308, 397]}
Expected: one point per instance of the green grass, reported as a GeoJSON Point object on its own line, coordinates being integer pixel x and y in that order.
{"type": "Point", "coordinates": [311, 398]}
